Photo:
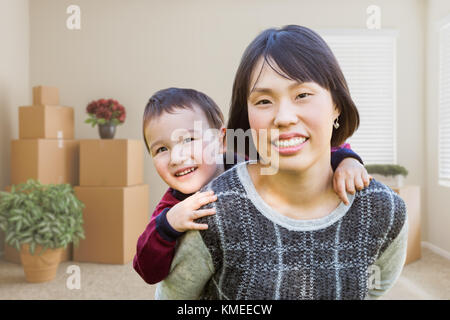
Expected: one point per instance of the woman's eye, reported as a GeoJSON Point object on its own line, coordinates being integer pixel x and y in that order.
{"type": "Point", "coordinates": [160, 150]}
{"type": "Point", "coordinates": [264, 101]}
{"type": "Point", "coordinates": [303, 95]}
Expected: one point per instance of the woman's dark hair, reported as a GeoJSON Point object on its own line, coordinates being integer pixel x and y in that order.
{"type": "Point", "coordinates": [167, 100]}
{"type": "Point", "coordinates": [299, 54]}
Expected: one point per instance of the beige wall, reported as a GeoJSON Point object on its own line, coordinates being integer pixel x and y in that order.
{"type": "Point", "coordinates": [438, 205]}
{"type": "Point", "coordinates": [14, 77]}
{"type": "Point", "coordinates": [129, 49]}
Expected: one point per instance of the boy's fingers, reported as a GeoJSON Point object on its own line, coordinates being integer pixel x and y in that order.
{"type": "Point", "coordinates": [197, 226]}
{"type": "Point", "coordinates": [340, 190]}
{"type": "Point", "coordinates": [350, 186]}
{"type": "Point", "coordinates": [359, 184]}
{"type": "Point", "coordinates": [199, 194]}
{"type": "Point", "coordinates": [202, 212]}
{"type": "Point", "coordinates": [205, 200]}
{"type": "Point", "coordinates": [366, 180]}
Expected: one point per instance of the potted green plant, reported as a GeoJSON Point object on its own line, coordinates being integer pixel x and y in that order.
{"type": "Point", "coordinates": [107, 113]}
{"type": "Point", "coordinates": [39, 221]}
{"type": "Point", "coordinates": [390, 174]}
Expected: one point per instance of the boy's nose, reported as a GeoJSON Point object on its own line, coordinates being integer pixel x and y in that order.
{"type": "Point", "coordinates": [178, 155]}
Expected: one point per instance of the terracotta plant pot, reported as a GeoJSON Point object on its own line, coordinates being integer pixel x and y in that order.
{"type": "Point", "coordinates": [40, 267]}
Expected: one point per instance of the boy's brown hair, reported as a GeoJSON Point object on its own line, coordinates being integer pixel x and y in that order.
{"type": "Point", "coordinates": [167, 100]}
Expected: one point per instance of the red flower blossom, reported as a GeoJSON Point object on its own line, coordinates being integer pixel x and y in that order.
{"type": "Point", "coordinates": [107, 109]}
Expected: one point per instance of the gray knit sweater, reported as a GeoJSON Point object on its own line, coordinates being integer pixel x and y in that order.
{"type": "Point", "coordinates": [250, 251]}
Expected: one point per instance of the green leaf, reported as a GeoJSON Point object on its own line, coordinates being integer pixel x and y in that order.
{"type": "Point", "coordinates": [49, 215]}
{"type": "Point", "coordinates": [18, 226]}
{"type": "Point", "coordinates": [14, 218]}
{"type": "Point", "coordinates": [32, 247]}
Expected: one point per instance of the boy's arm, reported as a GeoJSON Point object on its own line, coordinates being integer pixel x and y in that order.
{"type": "Point", "coordinates": [191, 269]}
{"type": "Point", "coordinates": [156, 246]}
{"type": "Point", "coordinates": [342, 152]}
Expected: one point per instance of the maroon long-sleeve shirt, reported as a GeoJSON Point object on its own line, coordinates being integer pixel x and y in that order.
{"type": "Point", "coordinates": [156, 246]}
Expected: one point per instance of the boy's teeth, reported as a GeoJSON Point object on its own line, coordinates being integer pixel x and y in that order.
{"type": "Point", "coordinates": [289, 142]}
{"type": "Point", "coordinates": [185, 172]}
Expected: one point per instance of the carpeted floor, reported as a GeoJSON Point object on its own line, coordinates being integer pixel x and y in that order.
{"type": "Point", "coordinates": [428, 278]}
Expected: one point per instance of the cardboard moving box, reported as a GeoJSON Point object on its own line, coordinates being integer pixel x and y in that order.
{"type": "Point", "coordinates": [50, 122]}
{"type": "Point", "coordinates": [114, 218]}
{"type": "Point", "coordinates": [115, 162]}
{"type": "Point", "coordinates": [51, 161]}
{"type": "Point", "coordinates": [411, 196]}
{"type": "Point", "coordinates": [44, 95]}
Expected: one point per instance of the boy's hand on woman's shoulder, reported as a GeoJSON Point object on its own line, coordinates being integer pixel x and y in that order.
{"type": "Point", "coordinates": [350, 176]}
{"type": "Point", "coordinates": [182, 215]}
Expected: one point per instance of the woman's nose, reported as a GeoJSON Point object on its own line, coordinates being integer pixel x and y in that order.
{"type": "Point", "coordinates": [285, 115]}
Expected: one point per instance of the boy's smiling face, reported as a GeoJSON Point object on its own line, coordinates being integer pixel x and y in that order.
{"type": "Point", "coordinates": [184, 148]}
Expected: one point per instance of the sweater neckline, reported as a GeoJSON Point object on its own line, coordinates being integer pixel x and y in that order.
{"type": "Point", "coordinates": [282, 220]}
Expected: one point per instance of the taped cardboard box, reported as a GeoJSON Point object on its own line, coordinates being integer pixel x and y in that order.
{"type": "Point", "coordinates": [45, 95]}
{"type": "Point", "coordinates": [48, 122]}
{"type": "Point", "coordinates": [51, 161]}
{"type": "Point", "coordinates": [10, 253]}
{"type": "Point", "coordinates": [411, 197]}
{"type": "Point", "coordinates": [116, 162]}
{"type": "Point", "coordinates": [114, 218]}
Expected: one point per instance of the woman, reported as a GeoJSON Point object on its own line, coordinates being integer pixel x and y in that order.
{"type": "Point", "coordinates": [287, 235]}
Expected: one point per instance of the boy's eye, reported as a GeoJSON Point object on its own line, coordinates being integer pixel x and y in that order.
{"type": "Point", "coordinates": [303, 95]}
{"type": "Point", "coordinates": [186, 140]}
{"type": "Point", "coordinates": [161, 149]}
{"type": "Point", "coordinates": [263, 101]}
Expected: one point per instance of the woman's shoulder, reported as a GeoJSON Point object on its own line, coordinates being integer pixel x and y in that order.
{"type": "Point", "coordinates": [383, 207]}
{"type": "Point", "coordinates": [228, 180]}
{"type": "Point", "coordinates": [380, 193]}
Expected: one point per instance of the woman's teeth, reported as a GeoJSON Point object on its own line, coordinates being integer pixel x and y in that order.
{"type": "Point", "coordinates": [185, 172]}
{"type": "Point", "coordinates": [289, 142]}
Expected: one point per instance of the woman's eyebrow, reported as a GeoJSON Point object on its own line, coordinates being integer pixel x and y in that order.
{"type": "Point", "coordinates": [263, 90]}
{"type": "Point", "coordinates": [291, 86]}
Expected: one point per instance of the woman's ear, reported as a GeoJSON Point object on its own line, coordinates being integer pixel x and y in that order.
{"type": "Point", "coordinates": [223, 140]}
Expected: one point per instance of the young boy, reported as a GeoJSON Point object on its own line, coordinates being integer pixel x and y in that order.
{"type": "Point", "coordinates": [174, 127]}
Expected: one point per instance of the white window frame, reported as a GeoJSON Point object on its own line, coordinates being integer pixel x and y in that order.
{"type": "Point", "coordinates": [386, 33]}
{"type": "Point", "coordinates": [443, 26]}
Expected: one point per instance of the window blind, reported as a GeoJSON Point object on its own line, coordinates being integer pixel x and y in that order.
{"type": "Point", "coordinates": [368, 61]}
{"type": "Point", "coordinates": [444, 105]}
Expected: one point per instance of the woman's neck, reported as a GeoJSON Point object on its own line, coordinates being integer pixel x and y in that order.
{"type": "Point", "coordinates": [304, 194]}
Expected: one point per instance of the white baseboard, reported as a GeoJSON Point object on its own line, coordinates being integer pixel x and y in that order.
{"type": "Point", "coordinates": [436, 249]}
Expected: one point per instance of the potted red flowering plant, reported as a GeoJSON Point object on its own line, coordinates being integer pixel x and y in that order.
{"type": "Point", "coordinates": [107, 113]}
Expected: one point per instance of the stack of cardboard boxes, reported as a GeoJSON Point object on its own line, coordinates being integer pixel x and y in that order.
{"type": "Point", "coordinates": [116, 200]}
{"type": "Point", "coordinates": [46, 149]}
{"type": "Point", "coordinates": [411, 195]}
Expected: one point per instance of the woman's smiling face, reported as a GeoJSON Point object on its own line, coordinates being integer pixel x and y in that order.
{"type": "Point", "coordinates": [303, 113]}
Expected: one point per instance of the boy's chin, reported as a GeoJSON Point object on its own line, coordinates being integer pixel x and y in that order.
{"type": "Point", "coordinates": [188, 187]}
